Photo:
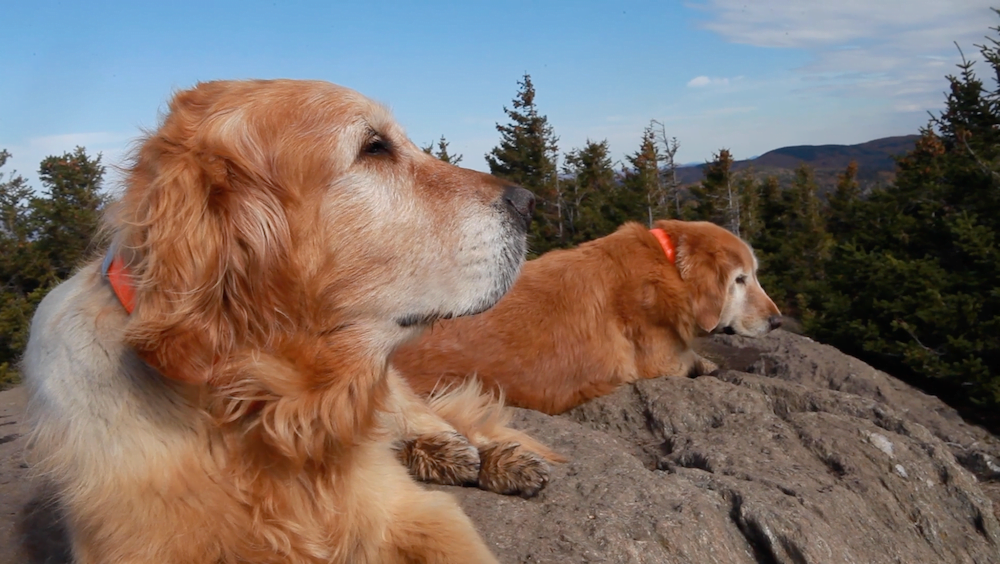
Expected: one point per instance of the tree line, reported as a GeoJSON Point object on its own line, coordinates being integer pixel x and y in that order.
{"type": "Point", "coordinates": [904, 276]}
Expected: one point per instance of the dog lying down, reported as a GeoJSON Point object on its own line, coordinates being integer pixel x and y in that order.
{"type": "Point", "coordinates": [579, 323]}
{"type": "Point", "coordinates": [218, 391]}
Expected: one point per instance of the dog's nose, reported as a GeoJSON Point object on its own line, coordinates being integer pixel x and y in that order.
{"type": "Point", "coordinates": [774, 322]}
{"type": "Point", "coordinates": [522, 201]}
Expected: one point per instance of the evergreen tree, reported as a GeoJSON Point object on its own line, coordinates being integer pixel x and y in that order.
{"type": "Point", "coordinates": [718, 198]}
{"type": "Point", "coordinates": [806, 246]}
{"type": "Point", "coordinates": [844, 202]}
{"type": "Point", "coordinates": [914, 288]}
{"type": "Point", "coordinates": [791, 242]}
{"type": "Point", "coordinates": [593, 208]}
{"type": "Point", "coordinates": [749, 193]}
{"type": "Point", "coordinates": [70, 213]}
{"type": "Point", "coordinates": [769, 240]}
{"type": "Point", "coordinates": [42, 240]}
{"type": "Point", "coordinates": [16, 267]}
{"type": "Point", "coordinates": [526, 156]}
{"type": "Point", "coordinates": [643, 195]}
{"type": "Point", "coordinates": [442, 152]}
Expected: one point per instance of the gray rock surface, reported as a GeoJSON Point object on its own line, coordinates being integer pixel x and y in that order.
{"type": "Point", "coordinates": [794, 453]}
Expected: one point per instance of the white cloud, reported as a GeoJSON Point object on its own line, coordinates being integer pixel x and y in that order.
{"type": "Point", "coordinates": [702, 81]}
{"type": "Point", "coordinates": [898, 50]}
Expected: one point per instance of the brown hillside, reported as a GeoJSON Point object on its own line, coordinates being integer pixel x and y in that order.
{"type": "Point", "coordinates": [876, 164]}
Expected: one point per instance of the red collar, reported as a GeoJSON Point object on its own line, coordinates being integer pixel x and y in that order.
{"type": "Point", "coordinates": [118, 276]}
{"type": "Point", "coordinates": [665, 242]}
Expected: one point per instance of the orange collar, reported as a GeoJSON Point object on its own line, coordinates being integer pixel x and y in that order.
{"type": "Point", "coordinates": [113, 268]}
{"type": "Point", "coordinates": [665, 242]}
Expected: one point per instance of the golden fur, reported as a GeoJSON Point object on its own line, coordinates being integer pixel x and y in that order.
{"type": "Point", "coordinates": [579, 323]}
{"type": "Point", "coordinates": [283, 237]}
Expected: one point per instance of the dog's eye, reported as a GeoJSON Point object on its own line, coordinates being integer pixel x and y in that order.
{"type": "Point", "coordinates": [741, 279]}
{"type": "Point", "coordinates": [376, 146]}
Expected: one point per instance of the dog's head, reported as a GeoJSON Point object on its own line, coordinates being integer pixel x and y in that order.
{"type": "Point", "coordinates": [720, 271]}
{"type": "Point", "coordinates": [260, 208]}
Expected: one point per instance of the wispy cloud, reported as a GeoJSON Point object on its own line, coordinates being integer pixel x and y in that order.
{"type": "Point", "coordinates": [703, 81]}
{"type": "Point", "coordinates": [896, 49]}
{"type": "Point", "coordinates": [27, 155]}
{"type": "Point", "coordinates": [68, 141]}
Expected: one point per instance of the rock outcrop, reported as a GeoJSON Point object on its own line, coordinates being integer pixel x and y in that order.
{"type": "Point", "coordinates": [794, 453]}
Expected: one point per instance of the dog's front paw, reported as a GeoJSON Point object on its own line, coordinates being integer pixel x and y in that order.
{"type": "Point", "coordinates": [444, 458]}
{"type": "Point", "coordinates": [510, 469]}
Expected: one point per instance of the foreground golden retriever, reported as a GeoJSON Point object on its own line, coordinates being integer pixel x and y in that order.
{"type": "Point", "coordinates": [218, 389]}
{"type": "Point", "coordinates": [579, 323]}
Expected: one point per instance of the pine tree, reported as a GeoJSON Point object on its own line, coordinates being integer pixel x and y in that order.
{"type": "Point", "coordinates": [593, 208]}
{"type": "Point", "coordinates": [442, 152]}
{"type": "Point", "coordinates": [770, 238]}
{"type": "Point", "coordinates": [791, 241]}
{"type": "Point", "coordinates": [643, 193]}
{"type": "Point", "coordinates": [806, 247]}
{"type": "Point", "coordinates": [526, 156]}
{"type": "Point", "coordinates": [843, 202]}
{"type": "Point", "coordinates": [718, 199]}
{"type": "Point", "coordinates": [70, 213]}
{"type": "Point", "coordinates": [749, 193]}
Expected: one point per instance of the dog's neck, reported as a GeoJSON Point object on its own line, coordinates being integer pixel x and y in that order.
{"type": "Point", "coordinates": [665, 243]}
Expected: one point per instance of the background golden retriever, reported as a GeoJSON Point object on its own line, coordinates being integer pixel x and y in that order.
{"type": "Point", "coordinates": [281, 239]}
{"type": "Point", "coordinates": [578, 323]}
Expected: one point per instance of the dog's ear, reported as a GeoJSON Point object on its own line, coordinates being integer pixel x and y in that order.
{"type": "Point", "coordinates": [700, 262]}
{"type": "Point", "coordinates": [708, 292]}
{"type": "Point", "coordinates": [203, 232]}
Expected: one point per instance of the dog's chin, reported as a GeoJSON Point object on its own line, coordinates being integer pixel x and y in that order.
{"type": "Point", "coordinates": [426, 319]}
{"type": "Point", "coordinates": [502, 281]}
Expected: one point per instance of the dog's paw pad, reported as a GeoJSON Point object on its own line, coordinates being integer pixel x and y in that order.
{"type": "Point", "coordinates": [510, 469]}
{"type": "Point", "coordinates": [444, 458]}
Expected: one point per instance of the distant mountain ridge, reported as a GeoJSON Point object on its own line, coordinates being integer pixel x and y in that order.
{"type": "Point", "coordinates": [875, 162]}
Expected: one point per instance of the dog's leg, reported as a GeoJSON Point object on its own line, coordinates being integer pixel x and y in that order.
{"type": "Point", "coordinates": [430, 448]}
{"type": "Point", "coordinates": [511, 461]}
{"type": "Point", "coordinates": [702, 366]}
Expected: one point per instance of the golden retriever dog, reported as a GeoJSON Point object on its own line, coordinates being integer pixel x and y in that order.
{"type": "Point", "coordinates": [579, 323]}
{"type": "Point", "coordinates": [217, 389]}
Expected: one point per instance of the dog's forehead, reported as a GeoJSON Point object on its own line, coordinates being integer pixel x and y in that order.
{"type": "Point", "coordinates": [737, 248]}
{"type": "Point", "coordinates": [352, 109]}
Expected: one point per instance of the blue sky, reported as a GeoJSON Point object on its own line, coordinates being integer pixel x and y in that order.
{"type": "Point", "coordinates": [748, 76]}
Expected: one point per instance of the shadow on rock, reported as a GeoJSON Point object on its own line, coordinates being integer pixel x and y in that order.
{"type": "Point", "coordinates": [43, 535]}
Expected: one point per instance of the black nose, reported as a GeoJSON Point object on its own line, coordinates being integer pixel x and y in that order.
{"type": "Point", "coordinates": [521, 201]}
{"type": "Point", "coordinates": [774, 321]}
